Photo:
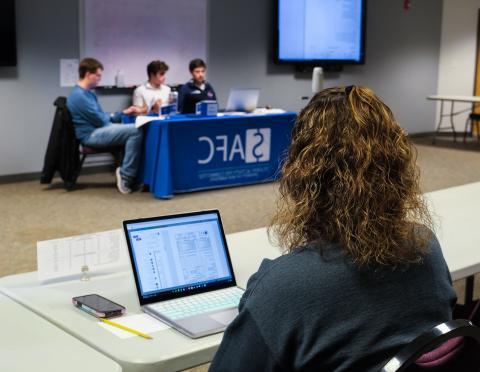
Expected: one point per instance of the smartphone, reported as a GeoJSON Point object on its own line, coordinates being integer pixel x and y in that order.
{"type": "Point", "coordinates": [98, 306]}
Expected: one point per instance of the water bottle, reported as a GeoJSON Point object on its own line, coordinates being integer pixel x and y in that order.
{"type": "Point", "coordinates": [317, 80]}
{"type": "Point", "coordinates": [120, 79]}
{"type": "Point", "coordinates": [173, 98]}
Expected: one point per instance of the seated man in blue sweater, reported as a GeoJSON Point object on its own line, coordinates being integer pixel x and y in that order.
{"type": "Point", "coordinates": [96, 128]}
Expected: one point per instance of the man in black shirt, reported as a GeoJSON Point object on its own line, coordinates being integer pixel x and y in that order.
{"type": "Point", "coordinates": [195, 90]}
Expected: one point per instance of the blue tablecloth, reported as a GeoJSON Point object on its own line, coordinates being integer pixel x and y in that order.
{"type": "Point", "coordinates": [186, 153]}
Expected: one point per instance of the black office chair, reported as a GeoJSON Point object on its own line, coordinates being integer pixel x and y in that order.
{"type": "Point", "coordinates": [450, 346]}
{"type": "Point", "coordinates": [474, 120]}
{"type": "Point", "coordinates": [65, 153]}
{"type": "Point", "coordinates": [116, 151]}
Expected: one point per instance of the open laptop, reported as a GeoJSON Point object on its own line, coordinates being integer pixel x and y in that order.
{"type": "Point", "coordinates": [242, 100]}
{"type": "Point", "coordinates": [183, 271]}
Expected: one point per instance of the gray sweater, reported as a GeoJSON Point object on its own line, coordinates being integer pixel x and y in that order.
{"type": "Point", "coordinates": [307, 311]}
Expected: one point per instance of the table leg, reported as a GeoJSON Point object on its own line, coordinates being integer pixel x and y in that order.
{"type": "Point", "coordinates": [450, 125]}
{"type": "Point", "coordinates": [439, 124]}
{"type": "Point", "coordinates": [451, 122]}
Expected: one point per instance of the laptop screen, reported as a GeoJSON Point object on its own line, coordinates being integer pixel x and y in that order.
{"type": "Point", "coordinates": [174, 256]}
{"type": "Point", "coordinates": [242, 100]}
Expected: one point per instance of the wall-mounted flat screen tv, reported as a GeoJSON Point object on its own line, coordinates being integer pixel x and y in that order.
{"type": "Point", "coordinates": [320, 32]}
{"type": "Point", "coordinates": [8, 48]}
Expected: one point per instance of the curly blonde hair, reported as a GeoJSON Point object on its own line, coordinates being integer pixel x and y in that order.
{"type": "Point", "coordinates": [350, 178]}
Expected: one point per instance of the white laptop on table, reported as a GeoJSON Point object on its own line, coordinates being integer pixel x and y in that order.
{"type": "Point", "coordinates": [242, 100]}
{"type": "Point", "coordinates": [183, 273]}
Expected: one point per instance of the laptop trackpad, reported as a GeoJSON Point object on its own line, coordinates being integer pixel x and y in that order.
{"type": "Point", "coordinates": [225, 317]}
{"type": "Point", "coordinates": [211, 322]}
{"type": "Point", "coordinates": [199, 323]}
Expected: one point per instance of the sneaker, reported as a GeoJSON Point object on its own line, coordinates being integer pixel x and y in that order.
{"type": "Point", "coordinates": [122, 184]}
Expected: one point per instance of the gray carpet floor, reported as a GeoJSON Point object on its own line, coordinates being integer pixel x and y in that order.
{"type": "Point", "coordinates": [32, 212]}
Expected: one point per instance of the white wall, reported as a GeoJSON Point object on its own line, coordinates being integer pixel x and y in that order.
{"type": "Point", "coordinates": [46, 31]}
{"type": "Point", "coordinates": [401, 66]}
{"type": "Point", "coordinates": [126, 35]}
{"type": "Point", "coordinates": [458, 45]}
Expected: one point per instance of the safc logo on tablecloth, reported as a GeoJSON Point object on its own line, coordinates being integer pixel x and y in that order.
{"type": "Point", "coordinates": [253, 148]}
{"type": "Point", "coordinates": [257, 145]}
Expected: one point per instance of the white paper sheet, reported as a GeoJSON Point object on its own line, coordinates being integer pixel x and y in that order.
{"type": "Point", "coordinates": [258, 111]}
{"type": "Point", "coordinates": [68, 72]}
{"type": "Point", "coordinates": [139, 322]}
{"type": "Point", "coordinates": [265, 111]}
{"type": "Point", "coordinates": [142, 120]}
{"type": "Point", "coordinates": [104, 252]}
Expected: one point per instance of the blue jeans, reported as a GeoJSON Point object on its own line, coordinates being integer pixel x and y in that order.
{"type": "Point", "coordinates": [116, 135]}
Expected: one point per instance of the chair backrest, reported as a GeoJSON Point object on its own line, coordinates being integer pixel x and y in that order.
{"type": "Point", "coordinates": [62, 151]}
{"type": "Point", "coordinates": [61, 104]}
{"type": "Point", "coordinates": [54, 151]}
{"type": "Point", "coordinates": [450, 346]}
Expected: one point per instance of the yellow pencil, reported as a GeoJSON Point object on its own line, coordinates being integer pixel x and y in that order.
{"type": "Point", "coordinates": [138, 333]}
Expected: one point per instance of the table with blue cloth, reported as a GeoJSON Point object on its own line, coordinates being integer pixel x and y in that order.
{"type": "Point", "coordinates": [186, 153]}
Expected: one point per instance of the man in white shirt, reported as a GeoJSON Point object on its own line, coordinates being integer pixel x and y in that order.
{"type": "Point", "coordinates": [150, 96]}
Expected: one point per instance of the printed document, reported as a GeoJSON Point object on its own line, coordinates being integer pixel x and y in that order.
{"type": "Point", "coordinates": [103, 252]}
{"type": "Point", "coordinates": [142, 120]}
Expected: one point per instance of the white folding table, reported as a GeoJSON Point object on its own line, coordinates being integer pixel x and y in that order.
{"type": "Point", "coordinates": [455, 212]}
{"type": "Point", "coordinates": [452, 99]}
{"type": "Point", "coordinates": [169, 350]}
{"type": "Point", "coordinates": [30, 343]}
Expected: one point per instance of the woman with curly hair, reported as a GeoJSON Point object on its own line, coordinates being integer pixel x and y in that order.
{"type": "Point", "coordinates": [363, 274]}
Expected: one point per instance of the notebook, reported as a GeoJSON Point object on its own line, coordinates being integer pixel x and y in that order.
{"type": "Point", "coordinates": [183, 272]}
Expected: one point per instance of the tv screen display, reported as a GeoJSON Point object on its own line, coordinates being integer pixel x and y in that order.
{"type": "Point", "coordinates": [320, 32]}
{"type": "Point", "coordinates": [8, 49]}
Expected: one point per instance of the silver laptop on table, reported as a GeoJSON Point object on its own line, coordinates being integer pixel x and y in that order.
{"type": "Point", "coordinates": [183, 271]}
{"type": "Point", "coordinates": [242, 100]}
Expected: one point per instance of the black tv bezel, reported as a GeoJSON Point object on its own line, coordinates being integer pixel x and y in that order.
{"type": "Point", "coordinates": [303, 63]}
{"type": "Point", "coordinates": [13, 61]}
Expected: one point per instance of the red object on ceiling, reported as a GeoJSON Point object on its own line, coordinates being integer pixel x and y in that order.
{"type": "Point", "coordinates": [406, 4]}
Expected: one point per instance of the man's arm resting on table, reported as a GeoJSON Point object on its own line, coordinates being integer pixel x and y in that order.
{"type": "Point", "coordinates": [136, 110]}
{"type": "Point", "coordinates": [156, 106]}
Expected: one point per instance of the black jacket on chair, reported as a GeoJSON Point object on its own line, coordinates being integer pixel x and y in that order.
{"type": "Point", "coordinates": [62, 153]}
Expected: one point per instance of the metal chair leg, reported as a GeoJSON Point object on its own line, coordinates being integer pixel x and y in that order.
{"type": "Point", "coordinates": [71, 185]}
{"type": "Point", "coordinates": [82, 159]}
{"type": "Point", "coordinates": [475, 315]}
{"type": "Point", "coordinates": [465, 131]}
{"type": "Point", "coordinates": [477, 125]}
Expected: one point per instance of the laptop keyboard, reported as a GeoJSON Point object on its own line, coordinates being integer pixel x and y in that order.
{"type": "Point", "coordinates": [199, 304]}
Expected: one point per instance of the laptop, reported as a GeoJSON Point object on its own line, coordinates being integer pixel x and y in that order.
{"type": "Point", "coordinates": [242, 100]}
{"type": "Point", "coordinates": [183, 272]}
